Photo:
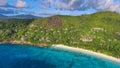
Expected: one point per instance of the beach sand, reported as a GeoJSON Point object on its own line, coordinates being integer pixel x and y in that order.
{"type": "Point", "coordinates": [100, 55]}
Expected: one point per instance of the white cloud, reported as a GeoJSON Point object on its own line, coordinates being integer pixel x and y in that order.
{"type": "Point", "coordinates": [100, 5]}
{"type": "Point", "coordinates": [3, 3]}
{"type": "Point", "coordinates": [109, 5]}
{"type": "Point", "coordinates": [21, 4]}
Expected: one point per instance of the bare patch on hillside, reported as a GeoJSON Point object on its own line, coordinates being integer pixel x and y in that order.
{"type": "Point", "coordinates": [55, 21]}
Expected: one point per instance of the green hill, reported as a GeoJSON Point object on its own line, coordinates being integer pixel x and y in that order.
{"type": "Point", "coordinates": [99, 32]}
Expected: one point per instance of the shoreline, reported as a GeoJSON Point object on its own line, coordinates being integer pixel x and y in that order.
{"type": "Point", "coordinates": [25, 43]}
{"type": "Point", "coordinates": [58, 46]}
{"type": "Point", "coordinates": [89, 52]}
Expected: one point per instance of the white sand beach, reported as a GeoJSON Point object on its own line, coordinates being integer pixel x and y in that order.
{"type": "Point", "coordinates": [88, 52]}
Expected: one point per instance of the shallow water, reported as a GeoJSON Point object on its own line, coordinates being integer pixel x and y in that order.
{"type": "Point", "coordinates": [22, 56]}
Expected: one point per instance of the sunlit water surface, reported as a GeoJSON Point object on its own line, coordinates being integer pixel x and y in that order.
{"type": "Point", "coordinates": [22, 56]}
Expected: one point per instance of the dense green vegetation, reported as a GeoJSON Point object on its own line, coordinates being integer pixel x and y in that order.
{"type": "Point", "coordinates": [99, 32]}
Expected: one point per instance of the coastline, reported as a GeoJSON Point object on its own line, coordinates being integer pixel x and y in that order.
{"type": "Point", "coordinates": [61, 46]}
{"type": "Point", "coordinates": [25, 43]}
{"type": "Point", "coordinates": [100, 55]}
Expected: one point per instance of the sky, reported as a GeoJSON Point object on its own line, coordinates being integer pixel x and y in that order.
{"type": "Point", "coordinates": [57, 7]}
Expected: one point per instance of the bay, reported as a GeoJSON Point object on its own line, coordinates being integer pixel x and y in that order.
{"type": "Point", "coordinates": [25, 56]}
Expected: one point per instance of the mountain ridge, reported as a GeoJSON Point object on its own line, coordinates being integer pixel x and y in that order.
{"type": "Point", "coordinates": [22, 16]}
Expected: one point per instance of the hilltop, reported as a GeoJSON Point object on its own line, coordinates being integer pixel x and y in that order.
{"type": "Point", "coordinates": [99, 32]}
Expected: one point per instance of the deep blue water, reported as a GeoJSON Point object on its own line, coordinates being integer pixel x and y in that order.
{"type": "Point", "coordinates": [22, 56]}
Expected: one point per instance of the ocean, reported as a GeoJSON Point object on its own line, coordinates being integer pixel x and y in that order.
{"type": "Point", "coordinates": [24, 56]}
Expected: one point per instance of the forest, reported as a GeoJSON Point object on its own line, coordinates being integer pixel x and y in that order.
{"type": "Point", "coordinates": [99, 31]}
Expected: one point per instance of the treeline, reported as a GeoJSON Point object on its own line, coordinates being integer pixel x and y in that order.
{"type": "Point", "coordinates": [9, 27]}
{"type": "Point", "coordinates": [98, 32]}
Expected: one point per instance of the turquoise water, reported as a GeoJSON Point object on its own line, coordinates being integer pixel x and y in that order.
{"type": "Point", "coordinates": [22, 56]}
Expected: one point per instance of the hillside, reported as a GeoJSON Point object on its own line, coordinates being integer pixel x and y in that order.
{"type": "Point", "coordinates": [99, 32]}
